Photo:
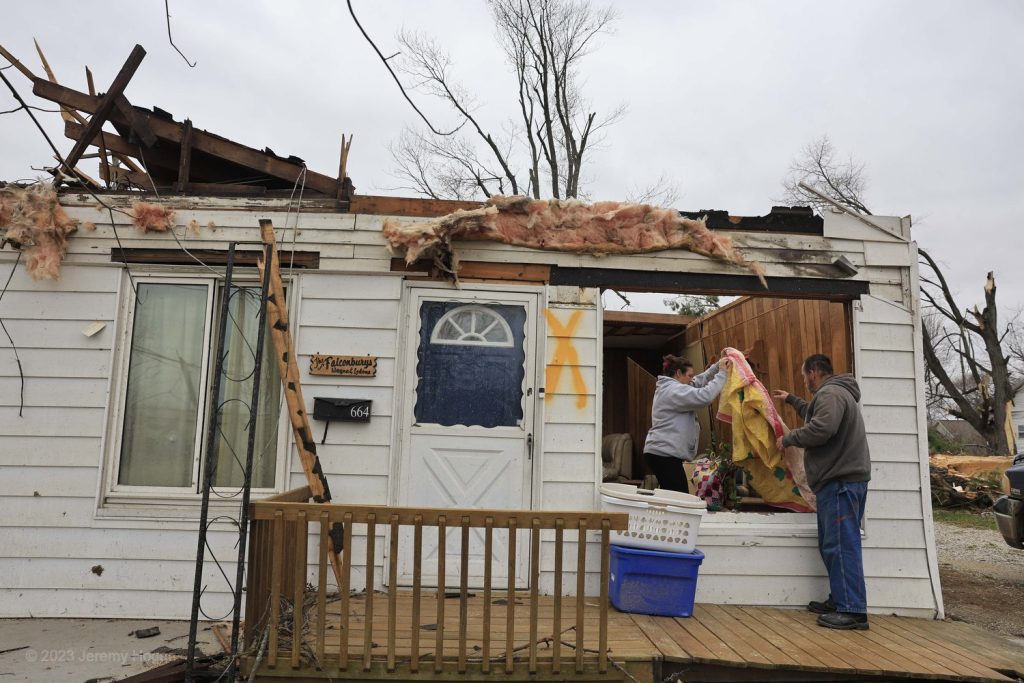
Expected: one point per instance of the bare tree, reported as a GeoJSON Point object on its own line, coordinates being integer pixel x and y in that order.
{"type": "Point", "coordinates": [980, 383]}
{"type": "Point", "coordinates": [936, 401]}
{"type": "Point", "coordinates": [543, 149]}
{"type": "Point", "coordinates": [974, 363]}
{"type": "Point", "coordinates": [817, 166]}
{"type": "Point", "coordinates": [662, 192]}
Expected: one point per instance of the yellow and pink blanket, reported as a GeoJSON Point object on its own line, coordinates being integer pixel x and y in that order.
{"type": "Point", "coordinates": [778, 476]}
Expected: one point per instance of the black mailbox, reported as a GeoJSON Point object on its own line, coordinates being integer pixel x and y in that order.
{"type": "Point", "coordinates": [345, 409]}
{"type": "Point", "coordinates": [342, 409]}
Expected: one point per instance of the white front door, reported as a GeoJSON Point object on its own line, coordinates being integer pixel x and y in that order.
{"type": "Point", "coordinates": [468, 419]}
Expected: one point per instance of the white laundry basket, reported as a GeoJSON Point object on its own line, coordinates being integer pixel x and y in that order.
{"type": "Point", "coordinates": [658, 520]}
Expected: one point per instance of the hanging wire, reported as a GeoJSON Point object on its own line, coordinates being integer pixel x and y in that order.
{"type": "Point", "coordinates": [28, 106]}
{"type": "Point", "coordinates": [17, 358]}
{"type": "Point", "coordinates": [170, 39]}
{"type": "Point", "coordinates": [142, 158]}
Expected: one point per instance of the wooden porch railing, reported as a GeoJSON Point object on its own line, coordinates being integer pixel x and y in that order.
{"type": "Point", "coordinates": [277, 582]}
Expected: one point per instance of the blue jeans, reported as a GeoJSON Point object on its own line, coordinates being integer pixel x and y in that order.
{"type": "Point", "coordinates": [840, 512]}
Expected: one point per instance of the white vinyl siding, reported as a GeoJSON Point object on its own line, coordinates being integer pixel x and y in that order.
{"type": "Point", "coordinates": [51, 460]}
{"type": "Point", "coordinates": [570, 462]}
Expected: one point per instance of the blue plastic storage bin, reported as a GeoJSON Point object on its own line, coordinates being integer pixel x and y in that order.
{"type": "Point", "coordinates": [653, 582]}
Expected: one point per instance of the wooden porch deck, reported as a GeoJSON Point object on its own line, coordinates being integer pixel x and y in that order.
{"type": "Point", "coordinates": [719, 643]}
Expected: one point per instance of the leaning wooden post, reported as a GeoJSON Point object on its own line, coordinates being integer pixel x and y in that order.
{"type": "Point", "coordinates": [288, 368]}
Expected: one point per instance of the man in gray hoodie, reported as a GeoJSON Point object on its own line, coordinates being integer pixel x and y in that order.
{"type": "Point", "coordinates": [838, 468]}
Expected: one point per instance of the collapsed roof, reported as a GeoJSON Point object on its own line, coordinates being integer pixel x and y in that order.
{"type": "Point", "coordinates": [149, 149]}
{"type": "Point", "coordinates": [151, 152]}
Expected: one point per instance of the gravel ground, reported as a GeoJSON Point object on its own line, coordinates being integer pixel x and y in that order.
{"type": "Point", "coordinates": [982, 578]}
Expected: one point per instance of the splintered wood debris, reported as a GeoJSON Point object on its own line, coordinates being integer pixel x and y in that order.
{"type": "Point", "coordinates": [600, 229]}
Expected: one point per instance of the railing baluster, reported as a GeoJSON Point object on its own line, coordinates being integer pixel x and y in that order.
{"type": "Point", "coordinates": [371, 551]}
{"type": "Point", "coordinates": [280, 571]}
{"type": "Point", "coordinates": [321, 587]}
{"type": "Point", "coordinates": [344, 590]}
{"type": "Point", "coordinates": [299, 586]}
{"type": "Point", "coordinates": [485, 652]}
{"type": "Point", "coordinates": [463, 594]}
{"type": "Point", "coordinates": [581, 585]}
{"type": "Point", "coordinates": [510, 613]}
{"type": "Point", "coordinates": [602, 655]}
{"type": "Point", "coordinates": [442, 551]}
{"type": "Point", "coordinates": [275, 589]}
{"type": "Point", "coordinates": [534, 591]}
{"type": "Point", "coordinates": [417, 582]}
{"type": "Point", "coordinates": [392, 592]}
{"type": "Point", "coordinates": [556, 617]}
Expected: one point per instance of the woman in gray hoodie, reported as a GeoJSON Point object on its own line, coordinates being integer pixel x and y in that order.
{"type": "Point", "coordinates": [675, 432]}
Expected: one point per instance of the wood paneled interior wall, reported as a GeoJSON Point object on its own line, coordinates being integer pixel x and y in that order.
{"type": "Point", "coordinates": [619, 414]}
{"type": "Point", "coordinates": [615, 413]}
{"type": "Point", "coordinates": [779, 334]}
{"type": "Point", "coordinates": [641, 399]}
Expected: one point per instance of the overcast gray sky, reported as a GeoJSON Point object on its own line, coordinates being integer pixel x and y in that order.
{"type": "Point", "coordinates": [928, 94]}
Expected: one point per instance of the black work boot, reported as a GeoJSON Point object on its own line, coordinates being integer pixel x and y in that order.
{"type": "Point", "coordinates": [846, 621]}
{"type": "Point", "coordinates": [827, 607]}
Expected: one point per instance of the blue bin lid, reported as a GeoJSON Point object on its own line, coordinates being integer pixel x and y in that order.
{"type": "Point", "coordinates": [695, 556]}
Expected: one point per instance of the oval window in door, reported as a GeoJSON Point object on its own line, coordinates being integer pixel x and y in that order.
{"type": "Point", "coordinates": [470, 364]}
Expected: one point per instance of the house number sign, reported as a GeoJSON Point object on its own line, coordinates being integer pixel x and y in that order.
{"type": "Point", "coordinates": [343, 366]}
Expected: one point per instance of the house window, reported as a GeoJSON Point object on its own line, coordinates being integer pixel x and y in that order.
{"type": "Point", "coordinates": [472, 326]}
{"type": "Point", "coordinates": [168, 397]}
{"type": "Point", "coordinates": [470, 364]}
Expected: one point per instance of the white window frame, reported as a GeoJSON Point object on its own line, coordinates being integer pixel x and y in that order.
{"type": "Point", "coordinates": [123, 498]}
{"type": "Point", "coordinates": [435, 334]}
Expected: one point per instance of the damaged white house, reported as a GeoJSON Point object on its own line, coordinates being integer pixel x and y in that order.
{"type": "Point", "coordinates": [487, 373]}
{"type": "Point", "coordinates": [100, 475]}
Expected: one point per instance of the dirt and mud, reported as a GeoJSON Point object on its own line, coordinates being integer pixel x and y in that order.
{"type": "Point", "coordinates": [982, 579]}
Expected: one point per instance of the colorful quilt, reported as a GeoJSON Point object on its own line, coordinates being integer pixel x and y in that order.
{"type": "Point", "coordinates": [756, 424]}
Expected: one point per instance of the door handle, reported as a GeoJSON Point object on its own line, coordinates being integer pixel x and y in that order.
{"type": "Point", "coordinates": [529, 446]}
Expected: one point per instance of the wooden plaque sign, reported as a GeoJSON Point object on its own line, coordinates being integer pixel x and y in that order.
{"type": "Point", "coordinates": [343, 366]}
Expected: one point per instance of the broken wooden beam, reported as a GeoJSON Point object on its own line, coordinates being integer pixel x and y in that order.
{"type": "Point", "coordinates": [138, 121]}
{"type": "Point", "coordinates": [343, 165]}
{"type": "Point", "coordinates": [105, 105]}
{"type": "Point", "coordinates": [211, 257]}
{"type": "Point", "coordinates": [202, 141]}
{"type": "Point", "coordinates": [17, 65]}
{"type": "Point", "coordinates": [65, 113]}
{"type": "Point", "coordinates": [104, 164]}
{"type": "Point", "coordinates": [185, 156]}
{"type": "Point", "coordinates": [233, 189]}
{"type": "Point", "coordinates": [81, 176]}
{"type": "Point", "coordinates": [163, 158]}
{"type": "Point", "coordinates": [408, 206]}
{"type": "Point", "coordinates": [120, 148]}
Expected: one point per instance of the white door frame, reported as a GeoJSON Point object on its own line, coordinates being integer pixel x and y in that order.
{"type": "Point", "coordinates": [409, 325]}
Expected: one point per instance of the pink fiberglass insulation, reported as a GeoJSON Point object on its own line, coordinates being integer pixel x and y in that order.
{"type": "Point", "coordinates": [152, 217]}
{"type": "Point", "coordinates": [35, 223]}
{"type": "Point", "coordinates": [600, 229]}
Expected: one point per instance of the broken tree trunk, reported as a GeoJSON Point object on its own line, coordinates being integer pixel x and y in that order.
{"type": "Point", "coordinates": [288, 367]}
